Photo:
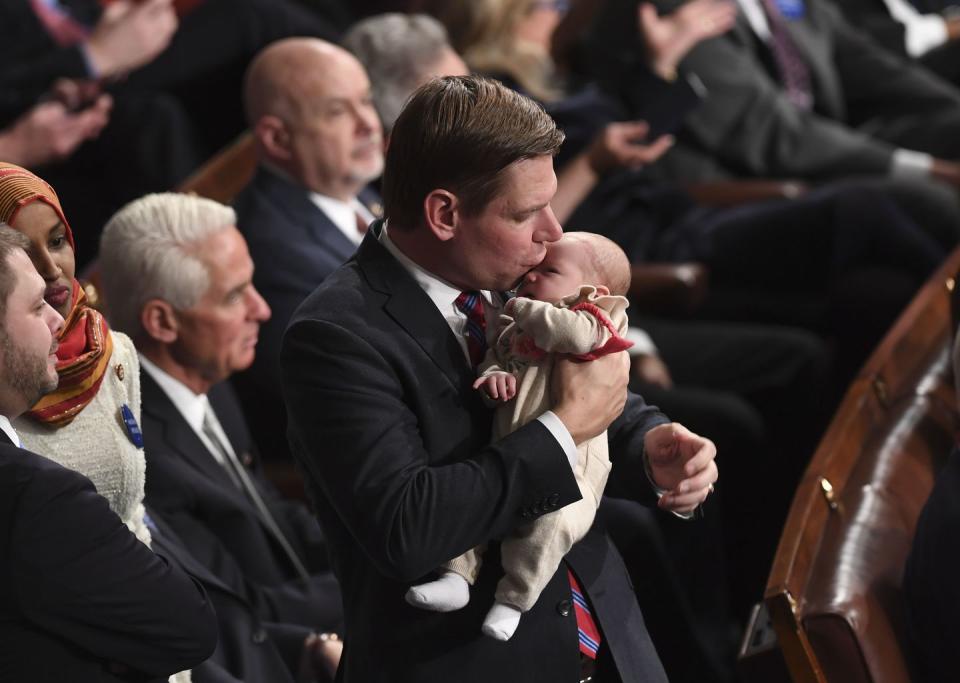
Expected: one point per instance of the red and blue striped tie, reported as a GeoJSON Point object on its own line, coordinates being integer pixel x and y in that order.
{"type": "Point", "coordinates": [587, 629]}
{"type": "Point", "coordinates": [471, 305]}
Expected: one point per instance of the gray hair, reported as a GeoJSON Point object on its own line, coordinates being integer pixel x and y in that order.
{"type": "Point", "coordinates": [147, 252]}
{"type": "Point", "coordinates": [396, 50]}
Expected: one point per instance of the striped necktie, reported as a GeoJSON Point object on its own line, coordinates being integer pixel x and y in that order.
{"type": "Point", "coordinates": [471, 305]}
{"type": "Point", "coordinates": [587, 629]}
{"type": "Point", "coordinates": [794, 72]}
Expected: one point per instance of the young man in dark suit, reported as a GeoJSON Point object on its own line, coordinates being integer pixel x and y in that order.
{"type": "Point", "coordinates": [377, 378]}
{"type": "Point", "coordinates": [81, 599]}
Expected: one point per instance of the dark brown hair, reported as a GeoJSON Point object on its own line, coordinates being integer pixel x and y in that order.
{"type": "Point", "coordinates": [460, 133]}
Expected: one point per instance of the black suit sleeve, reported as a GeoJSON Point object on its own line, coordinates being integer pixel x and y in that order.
{"type": "Point", "coordinates": [352, 427]}
{"type": "Point", "coordinates": [80, 573]}
{"type": "Point", "coordinates": [628, 478]}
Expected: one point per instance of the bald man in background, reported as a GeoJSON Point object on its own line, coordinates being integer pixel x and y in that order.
{"type": "Point", "coordinates": [319, 144]}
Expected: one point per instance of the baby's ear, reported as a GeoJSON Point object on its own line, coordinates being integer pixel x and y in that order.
{"type": "Point", "coordinates": [602, 290]}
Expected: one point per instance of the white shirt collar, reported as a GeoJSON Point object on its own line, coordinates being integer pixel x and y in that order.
{"type": "Point", "coordinates": [9, 430]}
{"type": "Point", "coordinates": [441, 292]}
{"type": "Point", "coordinates": [756, 17]}
{"type": "Point", "coordinates": [192, 406]}
{"type": "Point", "coordinates": [343, 214]}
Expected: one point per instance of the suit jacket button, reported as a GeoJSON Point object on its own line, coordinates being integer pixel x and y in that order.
{"type": "Point", "coordinates": [259, 636]}
{"type": "Point", "coordinates": [564, 607]}
{"type": "Point", "coordinates": [247, 460]}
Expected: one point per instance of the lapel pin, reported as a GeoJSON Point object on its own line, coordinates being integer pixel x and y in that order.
{"type": "Point", "coordinates": [130, 424]}
{"type": "Point", "coordinates": [119, 370]}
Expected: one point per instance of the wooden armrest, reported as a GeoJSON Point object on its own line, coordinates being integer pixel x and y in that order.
{"type": "Point", "coordinates": [734, 192]}
{"type": "Point", "coordinates": [667, 287]}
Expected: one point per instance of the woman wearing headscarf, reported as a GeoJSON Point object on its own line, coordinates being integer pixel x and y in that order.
{"type": "Point", "coordinates": [91, 422]}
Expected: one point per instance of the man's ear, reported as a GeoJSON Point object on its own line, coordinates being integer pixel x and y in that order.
{"type": "Point", "coordinates": [159, 321]}
{"type": "Point", "coordinates": [274, 137]}
{"type": "Point", "coordinates": [441, 210]}
{"type": "Point", "coordinates": [603, 290]}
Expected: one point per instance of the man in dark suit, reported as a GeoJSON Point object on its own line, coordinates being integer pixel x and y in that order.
{"type": "Point", "coordinates": [801, 93]}
{"type": "Point", "coordinates": [81, 598]}
{"type": "Point", "coordinates": [319, 144]}
{"type": "Point", "coordinates": [377, 377]}
{"type": "Point", "coordinates": [178, 278]}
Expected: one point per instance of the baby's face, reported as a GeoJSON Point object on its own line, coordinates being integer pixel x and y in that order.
{"type": "Point", "coordinates": [559, 274]}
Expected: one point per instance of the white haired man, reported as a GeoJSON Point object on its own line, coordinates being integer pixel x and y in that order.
{"type": "Point", "coordinates": [178, 279]}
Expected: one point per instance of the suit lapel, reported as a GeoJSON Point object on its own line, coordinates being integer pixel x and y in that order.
{"type": "Point", "coordinates": [294, 200]}
{"type": "Point", "coordinates": [411, 309]}
{"type": "Point", "coordinates": [178, 435]}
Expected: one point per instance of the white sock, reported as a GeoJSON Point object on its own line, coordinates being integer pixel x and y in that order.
{"type": "Point", "coordinates": [501, 621]}
{"type": "Point", "coordinates": [448, 593]}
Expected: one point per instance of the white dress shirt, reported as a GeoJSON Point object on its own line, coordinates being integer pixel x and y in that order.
{"type": "Point", "coordinates": [191, 406]}
{"type": "Point", "coordinates": [443, 294]}
{"type": "Point", "coordinates": [922, 32]}
{"type": "Point", "coordinates": [9, 431]}
{"type": "Point", "coordinates": [343, 214]}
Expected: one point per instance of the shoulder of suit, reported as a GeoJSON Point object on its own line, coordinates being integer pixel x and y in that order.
{"type": "Point", "coordinates": [23, 469]}
{"type": "Point", "coordinates": [340, 296]}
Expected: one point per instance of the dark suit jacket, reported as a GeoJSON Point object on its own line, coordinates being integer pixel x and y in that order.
{"type": "Point", "coordinates": [220, 526]}
{"type": "Point", "coordinates": [294, 246]}
{"type": "Point", "coordinates": [395, 443]}
{"type": "Point", "coordinates": [249, 649]}
{"type": "Point", "coordinates": [868, 101]}
{"type": "Point", "coordinates": [80, 597]}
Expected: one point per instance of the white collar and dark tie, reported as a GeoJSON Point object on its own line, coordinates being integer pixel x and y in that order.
{"type": "Point", "coordinates": [347, 216]}
{"type": "Point", "coordinates": [441, 293]}
{"type": "Point", "coordinates": [202, 419]}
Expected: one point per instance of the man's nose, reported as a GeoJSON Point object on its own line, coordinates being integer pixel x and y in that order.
{"type": "Point", "coordinates": [257, 307]}
{"type": "Point", "coordinates": [549, 229]}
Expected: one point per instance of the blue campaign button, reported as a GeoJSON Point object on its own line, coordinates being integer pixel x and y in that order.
{"type": "Point", "coordinates": [791, 9]}
{"type": "Point", "coordinates": [130, 423]}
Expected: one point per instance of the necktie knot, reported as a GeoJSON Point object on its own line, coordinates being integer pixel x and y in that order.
{"type": "Point", "coordinates": [471, 305]}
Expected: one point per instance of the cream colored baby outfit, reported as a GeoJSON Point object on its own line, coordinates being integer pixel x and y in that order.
{"type": "Point", "coordinates": [585, 325]}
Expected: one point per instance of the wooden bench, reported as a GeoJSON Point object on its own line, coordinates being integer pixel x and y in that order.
{"type": "Point", "coordinates": [833, 594]}
{"type": "Point", "coordinates": [223, 176]}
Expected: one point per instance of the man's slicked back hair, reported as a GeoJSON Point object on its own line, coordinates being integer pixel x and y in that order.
{"type": "Point", "coordinates": [460, 133]}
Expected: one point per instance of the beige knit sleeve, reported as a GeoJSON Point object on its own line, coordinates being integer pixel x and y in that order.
{"type": "Point", "coordinates": [559, 329]}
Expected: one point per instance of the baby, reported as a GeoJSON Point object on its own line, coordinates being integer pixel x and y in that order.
{"type": "Point", "coordinates": [555, 312]}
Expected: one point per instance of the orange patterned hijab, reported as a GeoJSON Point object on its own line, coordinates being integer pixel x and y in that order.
{"type": "Point", "coordinates": [85, 341]}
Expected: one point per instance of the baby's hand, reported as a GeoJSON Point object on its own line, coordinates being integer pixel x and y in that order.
{"type": "Point", "coordinates": [499, 386]}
